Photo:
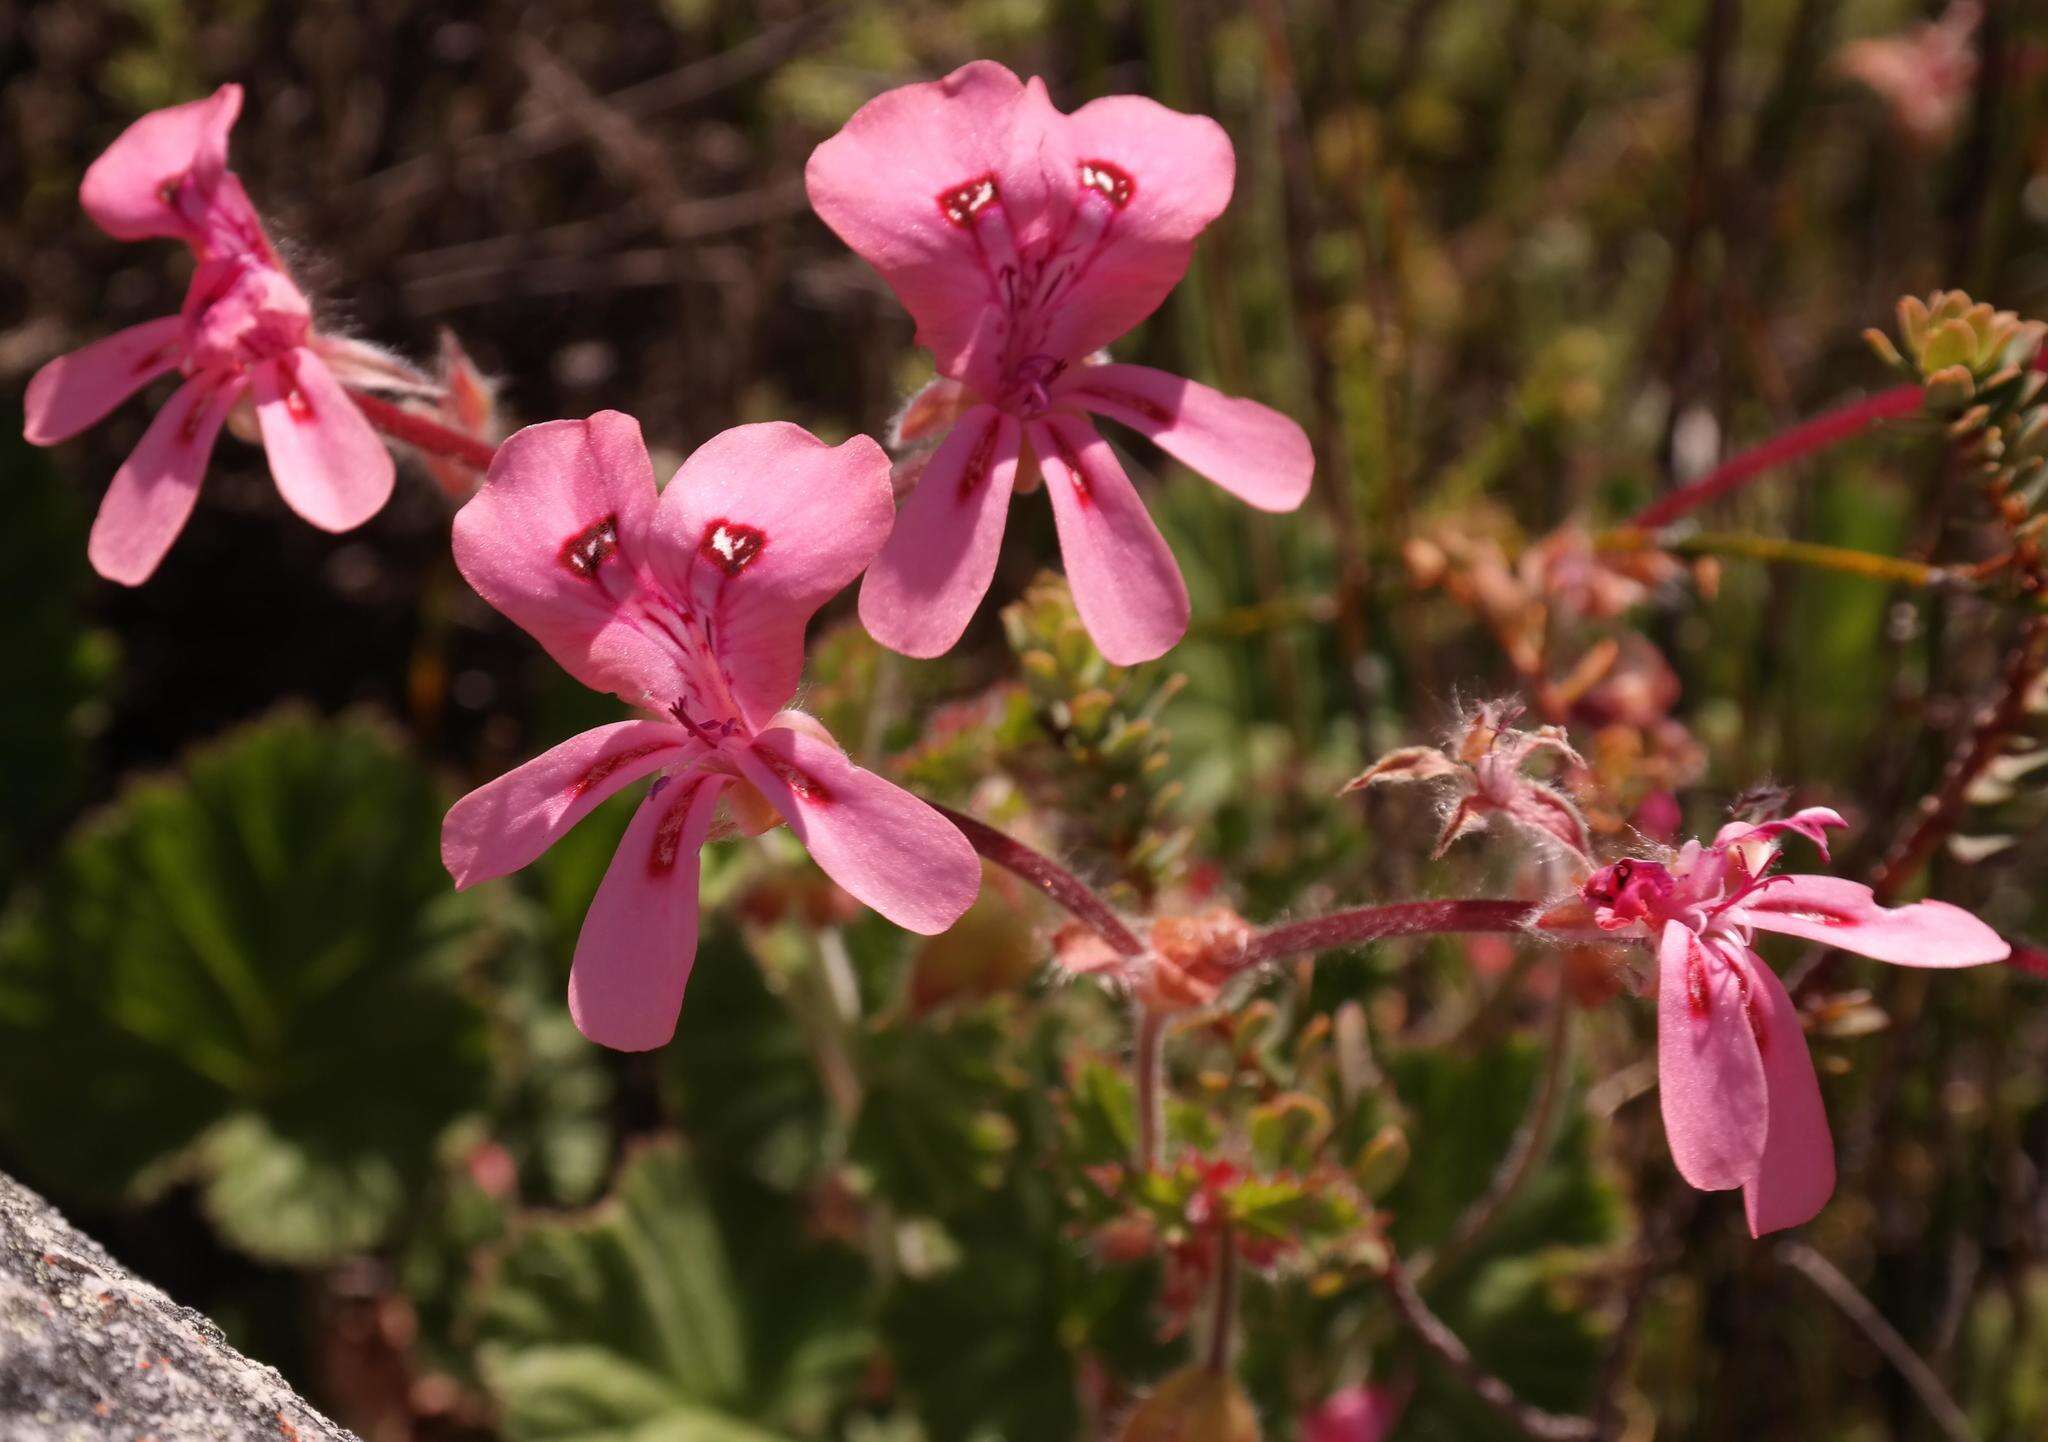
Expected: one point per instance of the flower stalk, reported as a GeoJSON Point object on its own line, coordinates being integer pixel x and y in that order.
{"type": "Point", "coordinates": [421, 434]}
{"type": "Point", "coordinates": [1827, 429]}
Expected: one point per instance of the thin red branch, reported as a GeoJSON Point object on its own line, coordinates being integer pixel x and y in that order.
{"type": "Point", "coordinates": [1852, 1304]}
{"type": "Point", "coordinates": [1824, 430]}
{"type": "Point", "coordinates": [1401, 918]}
{"type": "Point", "coordinates": [1429, 1329]}
{"type": "Point", "coordinates": [422, 434]}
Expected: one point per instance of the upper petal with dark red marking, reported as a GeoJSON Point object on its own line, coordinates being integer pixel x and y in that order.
{"type": "Point", "coordinates": [556, 540]}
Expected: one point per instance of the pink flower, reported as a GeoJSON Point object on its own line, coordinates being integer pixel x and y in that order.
{"type": "Point", "coordinates": [245, 334]}
{"type": "Point", "coordinates": [1023, 241]}
{"type": "Point", "coordinates": [1355, 1414]}
{"type": "Point", "coordinates": [692, 607]}
{"type": "Point", "coordinates": [1742, 1106]}
{"type": "Point", "coordinates": [1925, 74]}
{"type": "Point", "coordinates": [1487, 761]}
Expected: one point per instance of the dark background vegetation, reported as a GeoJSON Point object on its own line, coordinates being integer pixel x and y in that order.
{"type": "Point", "coordinates": [1510, 262]}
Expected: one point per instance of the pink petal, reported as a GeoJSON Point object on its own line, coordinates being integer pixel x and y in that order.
{"type": "Point", "coordinates": [1126, 585]}
{"type": "Point", "coordinates": [981, 146]}
{"type": "Point", "coordinates": [330, 466]}
{"type": "Point", "coordinates": [1150, 180]}
{"type": "Point", "coordinates": [181, 152]}
{"type": "Point", "coordinates": [1846, 914]}
{"type": "Point", "coordinates": [76, 391]}
{"type": "Point", "coordinates": [1355, 1414]}
{"type": "Point", "coordinates": [1797, 1174]}
{"type": "Point", "coordinates": [1252, 451]}
{"type": "Point", "coordinates": [1760, 840]}
{"type": "Point", "coordinates": [506, 823]}
{"type": "Point", "coordinates": [152, 494]}
{"type": "Point", "coordinates": [883, 845]}
{"type": "Point", "coordinates": [924, 587]}
{"type": "Point", "coordinates": [761, 526]}
{"type": "Point", "coordinates": [556, 540]}
{"type": "Point", "coordinates": [1547, 810]}
{"type": "Point", "coordinates": [1710, 1075]}
{"type": "Point", "coordinates": [640, 936]}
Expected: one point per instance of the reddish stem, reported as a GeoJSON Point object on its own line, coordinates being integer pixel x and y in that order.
{"type": "Point", "coordinates": [1401, 918]}
{"type": "Point", "coordinates": [1058, 884]}
{"type": "Point", "coordinates": [422, 434]}
{"type": "Point", "coordinates": [1824, 430]}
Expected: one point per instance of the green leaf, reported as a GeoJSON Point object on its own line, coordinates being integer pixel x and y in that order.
{"type": "Point", "coordinates": [240, 974]}
{"type": "Point", "coordinates": [666, 1313]}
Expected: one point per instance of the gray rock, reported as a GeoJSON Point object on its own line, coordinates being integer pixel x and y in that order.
{"type": "Point", "coordinates": [89, 1352]}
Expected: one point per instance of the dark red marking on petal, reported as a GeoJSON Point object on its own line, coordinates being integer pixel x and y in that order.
{"type": "Point", "coordinates": [188, 428]}
{"type": "Point", "coordinates": [978, 463]}
{"type": "Point", "coordinates": [583, 553]}
{"type": "Point", "coordinates": [804, 786]}
{"type": "Point", "coordinates": [1749, 1007]}
{"type": "Point", "coordinates": [1129, 400]}
{"type": "Point", "coordinates": [1071, 459]}
{"type": "Point", "coordinates": [296, 402]}
{"type": "Point", "coordinates": [1110, 181]}
{"type": "Point", "coordinates": [964, 202]}
{"type": "Point", "coordinates": [154, 359]}
{"type": "Point", "coordinates": [607, 765]}
{"type": "Point", "coordinates": [668, 835]}
{"type": "Point", "coordinates": [732, 545]}
{"type": "Point", "coordinates": [1696, 997]}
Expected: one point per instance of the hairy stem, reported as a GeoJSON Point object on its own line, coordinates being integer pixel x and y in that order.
{"type": "Point", "coordinates": [1148, 1071]}
{"type": "Point", "coordinates": [1223, 1307]}
{"type": "Point", "coordinates": [422, 434]}
{"type": "Point", "coordinates": [1442, 1342]}
{"type": "Point", "coordinates": [1372, 923]}
{"type": "Point", "coordinates": [1824, 430]}
{"type": "Point", "coordinates": [1871, 1323]}
{"type": "Point", "coordinates": [1049, 877]}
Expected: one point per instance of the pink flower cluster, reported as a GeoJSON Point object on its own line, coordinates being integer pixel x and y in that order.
{"type": "Point", "coordinates": [244, 336]}
{"type": "Point", "coordinates": [1022, 241]}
